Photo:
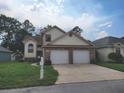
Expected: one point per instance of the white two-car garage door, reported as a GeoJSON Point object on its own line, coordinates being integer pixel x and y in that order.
{"type": "Point", "coordinates": [81, 56]}
{"type": "Point", "coordinates": [62, 56]}
{"type": "Point", "coordinates": [59, 57]}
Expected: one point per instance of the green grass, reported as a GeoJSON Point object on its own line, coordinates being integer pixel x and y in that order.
{"type": "Point", "coordinates": [116, 66]}
{"type": "Point", "coordinates": [15, 75]}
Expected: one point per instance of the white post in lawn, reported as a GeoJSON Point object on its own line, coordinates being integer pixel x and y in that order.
{"type": "Point", "coordinates": [42, 68]}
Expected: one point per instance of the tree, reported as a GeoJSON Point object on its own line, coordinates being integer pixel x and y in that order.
{"type": "Point", "coordinates": [28, 26]}
{"type": "Point", "coordinates": [13, 32]}
{"type": "Point", "coordinates": [48, 27]}
{"type": "Point", "coordinates": [8, 27]}
{"type": "Point", "coordinates": [19, 36]}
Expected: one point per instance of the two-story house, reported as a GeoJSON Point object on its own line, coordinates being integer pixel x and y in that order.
{"type": "Point", "coordinates": [60, 47]}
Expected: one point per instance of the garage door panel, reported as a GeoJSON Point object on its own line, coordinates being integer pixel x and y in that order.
{"type": "Point", "coordinates": [81, 56]}
{"type": "Point", "coordinates": [59, 56]}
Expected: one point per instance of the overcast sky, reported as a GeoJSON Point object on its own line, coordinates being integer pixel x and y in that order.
{"type": "Point", "coordinates": [97, 18]}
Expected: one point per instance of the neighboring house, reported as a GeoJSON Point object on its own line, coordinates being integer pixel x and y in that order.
{"type": "Point", "coordinates": [60, 47]}
{"type": "Point", "coordinates": [5, 54]}
{"type": "Point", "coordinates": [107, 45]}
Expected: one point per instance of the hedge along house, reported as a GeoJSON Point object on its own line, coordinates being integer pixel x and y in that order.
{"type": "Point", "coordinates": [5, 54]}
{"type": "Point", "coordinates": [107, 45]}
{"type": "Point", "coordinates": [60, 47]}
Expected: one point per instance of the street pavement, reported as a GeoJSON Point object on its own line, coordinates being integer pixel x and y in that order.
{"type": "Point", "coordinates": [112, 86]}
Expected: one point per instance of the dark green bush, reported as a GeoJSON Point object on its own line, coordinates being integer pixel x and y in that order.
{"type": "Point", "coordinates": [116, 57]}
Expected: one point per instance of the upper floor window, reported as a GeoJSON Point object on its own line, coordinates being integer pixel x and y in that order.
{"type": "Point", "coordinates": [48, 38]}
{"type": "Point", "coordinates": [30, 48]}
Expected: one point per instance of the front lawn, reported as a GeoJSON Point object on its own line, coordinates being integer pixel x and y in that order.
{"type": "Point", "coordinates": [14, 75]}
{"type": "Point", "coordinates": [116, 66]}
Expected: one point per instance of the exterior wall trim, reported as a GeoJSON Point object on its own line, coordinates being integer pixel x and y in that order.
{"type": "Point", "coordinates": [70, 56]}
{"type": "Point", "coordinates": [68, 46]}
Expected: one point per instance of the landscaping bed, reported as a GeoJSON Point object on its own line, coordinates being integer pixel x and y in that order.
{"type": "Point", "coordinates": [116, 66]}
{"type": "Point", "coordinates": [15, 75]}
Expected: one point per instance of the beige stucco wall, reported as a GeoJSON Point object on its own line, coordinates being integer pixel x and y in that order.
{"type": "Point", "coordinates": [29, 55]}
{"type": "Point", "coordinates": [70, 40]}
{"type": "Point", "coordinates": [103, 53]}
{"type": "Point", "coordinates": [55, 33]}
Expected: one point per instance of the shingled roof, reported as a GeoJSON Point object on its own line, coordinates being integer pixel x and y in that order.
{"type": "Point", "coordinates": [2, 49]}
{"type": "Point", "coordinates": [107, 41]}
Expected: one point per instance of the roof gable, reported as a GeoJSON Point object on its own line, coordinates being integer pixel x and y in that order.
{"type": "Point", "coordinates": [50, 28]}
{"type": "Point", "coordinates": [2, 49]}
{"type": "Point", "coordinates": [33, 38]}
{"type": "Point", "coordinates": [70, 38]}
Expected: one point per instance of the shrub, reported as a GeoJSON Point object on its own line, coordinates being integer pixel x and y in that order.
{"type": "Point", "coordinates": [116, 57]}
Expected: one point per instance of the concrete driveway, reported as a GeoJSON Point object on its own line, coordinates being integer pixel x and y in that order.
{"type": "Point", "coordinates": [85, 73]}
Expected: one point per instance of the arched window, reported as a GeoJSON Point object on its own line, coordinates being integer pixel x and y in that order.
{"type": "Point", "coordinates": [30, 48]}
